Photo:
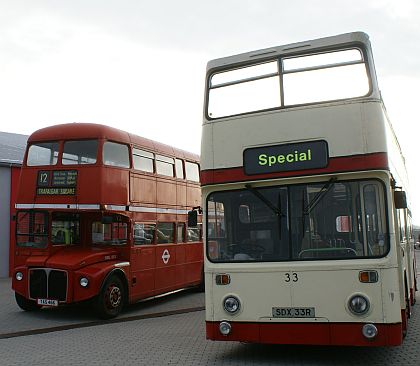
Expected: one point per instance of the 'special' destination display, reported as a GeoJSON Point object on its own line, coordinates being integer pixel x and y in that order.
{"type": "Point", "coordinates": [286, 157]}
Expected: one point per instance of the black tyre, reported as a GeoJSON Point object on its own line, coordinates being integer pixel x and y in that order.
{"type": "Point", "coordinates": [26, 304]}
{"type": "Point", "coordinates": [110, 300]}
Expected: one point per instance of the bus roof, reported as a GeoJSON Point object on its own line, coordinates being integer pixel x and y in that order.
{"type": "Point", "coordinates": [76, 131]}
{"type": "Point", "coordinates": [338, 40]}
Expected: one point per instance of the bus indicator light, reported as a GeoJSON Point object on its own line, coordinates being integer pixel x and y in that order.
{"type": "Point", "coordinates": [368, 276]}
{"type": "Point", "coordinates": [222, 279]}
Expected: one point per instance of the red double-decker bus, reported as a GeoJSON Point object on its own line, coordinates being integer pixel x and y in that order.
{"type": "Point", "coordinates": [102, 216]}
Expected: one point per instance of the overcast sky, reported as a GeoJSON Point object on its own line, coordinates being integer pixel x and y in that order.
{"type": "Point", "coordinates": [139, 65]}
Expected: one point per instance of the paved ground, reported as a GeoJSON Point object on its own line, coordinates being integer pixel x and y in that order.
{"type": "Point", "coordinates": [165, 340]}
{"type": "Point", "coordinates": [13, 319]}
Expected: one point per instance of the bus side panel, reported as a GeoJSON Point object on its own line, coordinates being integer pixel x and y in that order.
{"type": "Point", "coordinates": [142, 189]}
{"type": "Point", "coordinates": [142, 271]}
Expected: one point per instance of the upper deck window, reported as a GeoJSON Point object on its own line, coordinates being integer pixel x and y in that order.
{"type": "Point", "coordinates": [193, 171]}
{"type": "Point", "coordinates": [241, 90]}
{"type": "Point", "coordinates": [79, 152]}
{"type": "Point", "coordinates": [115, 154]}
{"type": "Point", "coordinates": [42, 153]}
{"type": "Point", "coordinates": [143, 160]}
{"type": "Point", "coordinates": [179, 168]}
{"type": "Point", "coordinates": [288, 81]}
{"type": "Point", "coordinates": [323, 77]}
{"type": "Point", "coordinates": [165, 165]}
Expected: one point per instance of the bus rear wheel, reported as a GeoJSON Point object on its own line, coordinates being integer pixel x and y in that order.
{"type": "Point", "coordinates": [26, 304]}
{"type": "Point", "coordinates": [110, 301]}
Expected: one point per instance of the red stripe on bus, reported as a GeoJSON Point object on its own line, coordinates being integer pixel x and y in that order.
{"type": "Point", "coordinates": [337, 334]}
{"type": "Point", "coordinates": [335, 165]}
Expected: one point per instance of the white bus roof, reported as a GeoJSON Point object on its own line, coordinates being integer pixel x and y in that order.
{"type": "Point", "coordinates": [310, 45]}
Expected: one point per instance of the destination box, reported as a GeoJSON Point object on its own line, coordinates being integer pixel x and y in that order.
{"type": "Point", "coordinates": [286, 157]}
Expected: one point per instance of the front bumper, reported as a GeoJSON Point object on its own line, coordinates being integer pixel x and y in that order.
{"type": "Point", "coordinates": [337, 334]}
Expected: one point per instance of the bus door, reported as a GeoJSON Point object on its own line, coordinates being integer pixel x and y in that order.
{"type": "Point", "coordinates": [143, 254]}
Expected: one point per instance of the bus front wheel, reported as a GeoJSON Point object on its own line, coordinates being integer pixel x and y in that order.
{"type": "Point", "coordinates": [110, 300]}
{"type": "Point", "coordinates": [26, 304]}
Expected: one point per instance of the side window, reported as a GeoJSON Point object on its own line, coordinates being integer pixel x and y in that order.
{"type": "Point", "coordinates": [180, 232]}
{"type": "Point", "coordinates": [165, 232]}
{"type": "Point", "coordinates": [143, 160]}
{"type": "Point", "coordinates": [114, 233]}
{"type": "Point", "coordinates": [179, 169]}
{"type": "Point", "coordinates": [44, 153]}
{"type": "Point", "coordinates": [194, 233]}
{"type": "Point", "coordinates": [165, 165]}
{"type": "Point", "coordinates": [374, 221]}
{"type": "Point", "coordinates": [192, 171]}
{"type": "Point", "coordinates": [409, 228]}
{"type": "Point", "coordinates": [144, 233]}
{"type": "Point", "coordinates": [401, 221]}
{"type": "Point", "coordinates": [115, 154]}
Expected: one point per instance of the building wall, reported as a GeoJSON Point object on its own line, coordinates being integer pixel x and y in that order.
{"type": "Point", "coordinates": [15, 175]}
{"type": "Point", "coordinates": [5, 182]}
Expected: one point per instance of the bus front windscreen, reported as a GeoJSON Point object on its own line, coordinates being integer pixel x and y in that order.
{"type": "Point", "coordinates": [317, 221]}
{"type": "Point", "coordinates": [32, 229]}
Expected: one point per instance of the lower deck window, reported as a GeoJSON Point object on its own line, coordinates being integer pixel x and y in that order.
{"type": "Point", "coordinates": [144, 233]}
{"type": "Point", "coordinates": [320, 221]}
{"type": "Point", "coordinates": [165, 232]}
{"type": "Point", "coordinates": [114, 233]}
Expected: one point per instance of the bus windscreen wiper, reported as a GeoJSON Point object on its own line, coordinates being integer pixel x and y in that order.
{"type": "Point", "coordinates": [272, 207]}
{"type": "Point", "coordinates": [324, 190]}
{"type": "Point", "coordinates": [275, 209]}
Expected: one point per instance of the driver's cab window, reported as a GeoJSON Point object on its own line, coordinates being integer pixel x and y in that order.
{"type": "Point", "coordinates": [260, 222]}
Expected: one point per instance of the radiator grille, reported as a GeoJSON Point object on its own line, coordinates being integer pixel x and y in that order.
{"type": "Point", "coordinates": [46, 283]}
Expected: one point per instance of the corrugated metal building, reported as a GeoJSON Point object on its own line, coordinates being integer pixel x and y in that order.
{"type": "Point", "coordinates": [12, 150]}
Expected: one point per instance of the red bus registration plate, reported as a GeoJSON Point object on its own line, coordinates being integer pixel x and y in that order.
{"type": "Point", "coordinates": [47, 302]}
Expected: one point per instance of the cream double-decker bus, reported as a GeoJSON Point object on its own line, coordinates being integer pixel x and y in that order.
{"type": "Point", "coordinates": [308, 232]}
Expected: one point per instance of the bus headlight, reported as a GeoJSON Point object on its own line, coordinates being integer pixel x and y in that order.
{"type": "Point", "coordinates": [19, 276]}
{"type": "Point", "coordinates": [359, 305]}
{"type": "Point", "coordinates": [84, 282]}
{"type": "Point", "coordinates": [231, 304]}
